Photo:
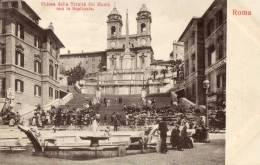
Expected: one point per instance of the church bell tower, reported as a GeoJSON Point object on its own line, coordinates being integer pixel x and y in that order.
{"type": "Point", "coordinates": [144, 21]}
{"type": "Point", "coordinates": [114, 27]}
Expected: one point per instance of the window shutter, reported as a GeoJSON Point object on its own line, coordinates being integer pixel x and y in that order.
{"type": "Point", "coordinates": [40, 91]}
{"type": "Point", "coordinates": [16, 29]}
{"type": "Point", "coordinates": [3, 83]}
{"type": "Point", "coordinates": [40, 67]}
{"type": "Point", "coordinates": [3, 56]}
{"type": "Point", "coordinates": [22, 60]}
{"type": "Point", "coordinates": [22, 86]}
{"type": "Point", "coordinates": [35, 88]}
{"type": "Point", "coordinates": [21, 32]}
{"type": "Point", "coordinates": [16, 57]}
{"type": "Point", "coordinates": [3, 27]}
{"type": "Point", "coordinates": [16, 85]}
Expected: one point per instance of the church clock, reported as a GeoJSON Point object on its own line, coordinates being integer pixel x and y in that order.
{"type": "Point", "coordinates": [113, 44]}
{"type": "Point", "coordinates": [143, 42]}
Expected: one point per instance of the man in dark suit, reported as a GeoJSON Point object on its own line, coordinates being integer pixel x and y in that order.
{"type": "Point", "coordinates": [163, 135]}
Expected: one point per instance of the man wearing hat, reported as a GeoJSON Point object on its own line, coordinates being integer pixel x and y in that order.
{"type": "Point", "coordinates": [163, 134]}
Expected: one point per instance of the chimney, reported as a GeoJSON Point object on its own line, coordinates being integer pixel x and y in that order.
{"type": "Point", "coordinates": [51, 26]}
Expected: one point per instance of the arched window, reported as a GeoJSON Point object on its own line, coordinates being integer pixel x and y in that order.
{"type": "Point", "coordinates": [143, 27]}
{"type": "Point", "coordinates": [19, 86]}
{"type": "Point", "coordinates": [19, 56]}
{"type": "Point", "coordinates": [113, 30]}
{"type": "Point", "coordinates": [50, 92]}
{"type": "Point", "coordinates": [37, 66]}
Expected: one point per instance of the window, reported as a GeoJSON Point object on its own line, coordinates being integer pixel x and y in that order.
{"type": "Point", "coordinates": [50, 92]}
{"type": "Point", "coordinates": [56, 72]}
{"type": "Point", "coordinates": [14, 4]}
{"type": "Point", "coordinates": [56, 94]}
{"type": "Point", "coordinates": [218, 81]}
{"type": "Point", "coordinates": [51, 68]}
{"type": "Point", "coordinates": [143, 27]}
{"type": "Point", "coordinates": [19, 85]}
{"type": "Point", "coordinates": [113, 30]}
{"type": "Point", "coordinates": [193, 91]}
{"type": "Point", "coordinates": [2, 26]}
{"type": "Point", "coordinates": [219, 17]}
{"type": "Point", "coordinates": [224, 80]}
{"type": "Point", "coordinates": [2, 56]}
{"type": "Point", "coordinates": [210, 27]}
{"type": "Point", "coordinates": [51, 48]}
{"type": "Point", "coordinates": [193, 58]}
{"type": "Point", "coordinates": [37, 90]}
{"type": "Point", "coordinates": [36, 41]}
{"type": "Point", "coordinates": [2, 87]}
{"type": "Point", "coordinates": [186, 47]}
{"type": "Point", "coordinates": [19, 58]}
{"type": "Point", "coordinates": [19, 31]}
{"type": "Point", "coordinates": [5, 4]}
{"type": "Point", "coordinates": [220, 47]}
{"type": "Point", "coordinates": [192, 38]}
{"type": "Point", "coordinates": [186, 67]}
{"type": "Point", "coordinates": [211, 55]}
{"type": "Point", "coordinates": [37, 66]}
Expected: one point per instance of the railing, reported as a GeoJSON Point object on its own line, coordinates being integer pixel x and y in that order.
{"type": "Point", "coordinates": [66, 99]}
{"type": "Point", "coordinates": [77, 87]}
{"type": "Point", "coordinates": [59, 102]}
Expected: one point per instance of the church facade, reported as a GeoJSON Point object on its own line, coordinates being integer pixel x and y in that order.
{"type": "Point", "coordinates": [127, 68]}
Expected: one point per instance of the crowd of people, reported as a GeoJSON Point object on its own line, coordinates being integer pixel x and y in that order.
{"type": "Point", "coordinates": [64, 116]}
{"type": "Point", "coordinates": [148, 115]}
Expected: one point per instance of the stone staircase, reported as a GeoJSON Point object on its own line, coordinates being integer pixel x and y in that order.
{"type": "Point", "coordinates": [161, 99]}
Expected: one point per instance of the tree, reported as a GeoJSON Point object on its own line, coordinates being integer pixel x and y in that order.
{"type": "Point", "coordinates": [154, 73]}
{"type": "Point", "coordinates": [164, 72]}
{"type": "Point", "coordinates": [75, 74]}
{"type": "Point", "coordinates": [177, 66]}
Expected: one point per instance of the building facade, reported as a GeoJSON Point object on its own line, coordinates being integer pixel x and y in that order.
{"type": "Point", "coordinates": [90, 61]}
{"type": "Point", "coordinates": [125, 64]}
{"type": "Point", "coordinates": [29, 57]}
{"type": "Point", "coordinates": [128, 56]}
{"type": "Point", "coordinates": [215, 32]}
{"type": "Point", "coordinates": [177, 51]}
{"type": "Point", "coordinates": [205, 56]}
{"type": "Point", "coordinates": [194, 61]}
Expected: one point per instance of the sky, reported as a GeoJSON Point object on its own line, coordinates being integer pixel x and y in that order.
{"type": "Point", "coordinates": [87, 30]}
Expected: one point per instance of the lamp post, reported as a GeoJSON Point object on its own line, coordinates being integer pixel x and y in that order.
{"type": "Point", "coordinates": [206, 85]}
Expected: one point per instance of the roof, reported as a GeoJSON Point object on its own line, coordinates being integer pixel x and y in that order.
{"type": "Point", "coordinates": [162, 62]}
{"type": "Point", "coordinates": [51, 33]}
{"type": "Point", "coordinates": [24, 3]}
{"type": "Point", "coordinates": [212, 6]}
{"type": "Point", "coordinates": [114, 11]}
{"type": "Point", "coordinates": [188, 27]}
{"type": "Point", "coordinates": [83, 54]}
{"type": "Point", "coordinates": [143, 8]}
{"type": "Point", "coordinates": [36, 26]}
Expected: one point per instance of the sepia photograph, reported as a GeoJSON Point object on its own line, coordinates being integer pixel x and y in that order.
{"type": "Point", "coordinates": [140, 82]}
